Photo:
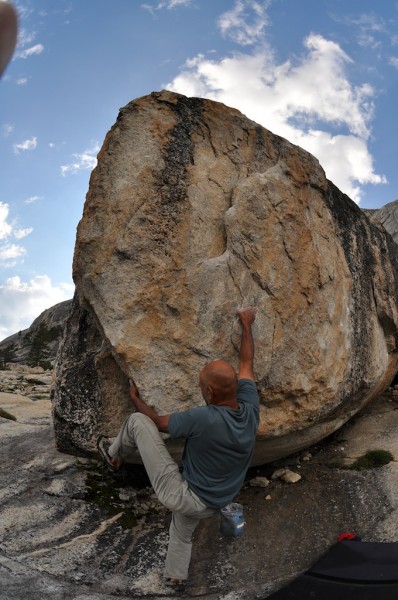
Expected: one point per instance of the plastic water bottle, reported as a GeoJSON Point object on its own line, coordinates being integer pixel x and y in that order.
{"type": "Point", "coordinates": [232, 522]}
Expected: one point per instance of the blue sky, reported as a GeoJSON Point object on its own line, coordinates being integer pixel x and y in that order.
{"type": "Point", "coordinates": [322, 73]}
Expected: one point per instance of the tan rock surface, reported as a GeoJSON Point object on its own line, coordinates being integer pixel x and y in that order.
{"type": "Point", "coordinates": [192, 211]}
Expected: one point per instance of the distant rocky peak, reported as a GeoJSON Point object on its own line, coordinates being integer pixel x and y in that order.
{"type": "Point", "coordinates": [37, 345]}
{"type": "Point", "coordinates": [386, 216]}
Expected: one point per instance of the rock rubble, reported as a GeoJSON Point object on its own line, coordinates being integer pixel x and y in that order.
{"type": "Point", "coordinates": [31, 382]}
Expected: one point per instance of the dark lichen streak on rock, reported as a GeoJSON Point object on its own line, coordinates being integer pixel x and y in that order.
{"type": "Point", "coordinates": [355, 231]}
{"type": "Point", "coordinates": [347, 217]}
{"type": "Point", "coordinates": [260, 151]}
{"type": "Point", "coordinates": [392, 250]}
{"type": "Point", "coordinates": [264, 150]}
{"type": "Point", "coordinates": [346, 212]}
{"type": "Point", "coordinates": [179, 154]}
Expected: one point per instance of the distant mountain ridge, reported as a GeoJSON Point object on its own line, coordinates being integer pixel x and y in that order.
{"type": "Point", "coordinates": [387, 216]}
{"type": "Point", "coordinates": [37, 345]}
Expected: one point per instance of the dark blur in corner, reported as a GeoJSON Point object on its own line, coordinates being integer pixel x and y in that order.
{"type": "Point", "coordinates": [8, 33]}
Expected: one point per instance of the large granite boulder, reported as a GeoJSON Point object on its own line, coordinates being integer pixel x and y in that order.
{"type": "Point", "coordinates": [193, 211]}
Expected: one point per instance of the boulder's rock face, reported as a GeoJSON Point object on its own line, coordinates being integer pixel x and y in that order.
{"type": "Point", "coordinates": [193, 211]}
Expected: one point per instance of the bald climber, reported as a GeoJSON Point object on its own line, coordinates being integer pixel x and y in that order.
{"type": "Point", "coordinates": [219, 443]}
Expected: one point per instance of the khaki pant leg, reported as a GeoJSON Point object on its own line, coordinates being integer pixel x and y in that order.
{"type": "Point", "coordinates": [140, 432]}
{"type": "Point", "coordinates": [179, 550]}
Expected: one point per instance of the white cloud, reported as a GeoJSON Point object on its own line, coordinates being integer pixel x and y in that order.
{"type": "Point", "coordinates": [7, 129]}
{"type": "Point", "coordinates": [83, 161]}
{"type": "Point", "coordinates": [368, 40]}
{"type": "Point", "coordinates": [58, 145]}
{"type": "Point", "coordinates": [311, 102]}
{"type": "Point", "coordinates": [22, 81]}
{"type": "Point", "coordinates": [25, 47]}
{"type": "Point", "coordinates": [25, 37]}
{"type": "Point", "coordinates": [32, 199]}
{"type": "Point", "coordinates": [394, 61]}
{"type": "Point", "coordinates": [26, 145]}
{"type": "Point", "coordinates": [168, 4]}
{"type": "Point", "coordinates": [370, 22]}
{"type": "Point", "coordinates": [245, 22]}
{"type": "Point", "coordinates": [21, 302]}
{"type": "Point", "coordinates": [21, 233]}
{"type": "Point", "coordinates": [366, 23]}
{"type": "Point", "coordinates": [347, 158]}
{"type": "Point", "coordinates": [175, 3]}
{"type": "Point", "coordinates": [5, 227]}
{"type": "Point", "coordinates": [10, 251]}
{"type": "Point", "coordinates": [369, 29]}
{"type": "Point", "coordinates": [33, 50]}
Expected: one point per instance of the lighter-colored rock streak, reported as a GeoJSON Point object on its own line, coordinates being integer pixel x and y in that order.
{"type": "Point", "coordinates": [80, 539]}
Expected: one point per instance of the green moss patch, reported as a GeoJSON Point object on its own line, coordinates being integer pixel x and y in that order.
{"type": "Point", "coordinates": [7, 415]}
{"type": "Point", "coordinates": [372, 459]}
{"type": "Point", "coordinates": [105, 494]}
{"type": "Point", "coordinates": [116, 493]}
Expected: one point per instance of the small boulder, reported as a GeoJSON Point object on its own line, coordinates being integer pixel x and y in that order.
{"type": "Point", "coordinates": [259, 482]}
{"type": "Point", "coordinates": [286, 475]}
{"type": "Point", "coordinates": [290, 477]}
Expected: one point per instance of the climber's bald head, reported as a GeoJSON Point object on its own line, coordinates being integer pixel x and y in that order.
{"type": "Point", "coordinates": [218, 382]}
